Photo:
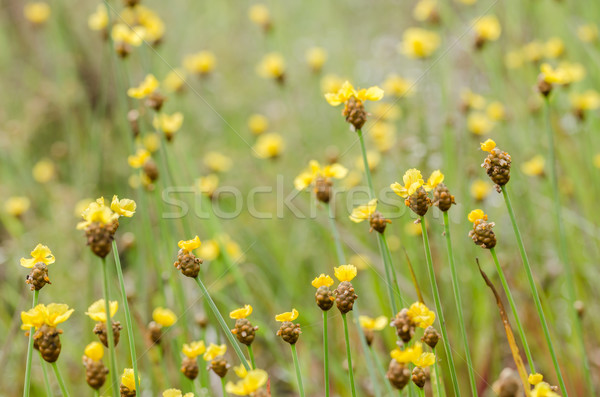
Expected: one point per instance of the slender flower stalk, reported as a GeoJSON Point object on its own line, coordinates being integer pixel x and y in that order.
{"type": "Point", "coordinates": [61, 381]}
{"type": "Point", "coordinates": [109, 330]}
{"type": "Point", "coordinates": [349, 355]}
{"type": "Point", "coordinates": [513, 307]}
{"type": "Point", "coordinates": [325, 354]}
{"type": "Point", "coordinates": [46, 379]}
{"type": "Point", "coordinates": [251, 354]}
{"type": "Point", "coordinates": [438, 307]}
{"type": "Point", "coordinates": [298, 373]}
{"type": "Point", "coordinates": [223, 387]}
{"type": "Point", "coordinates": [436, 379]}
{"type": "Point", "coordinates": [128, 321]}
{"type": "Point", "coordinates": [36, 294]}
{"type": "Point", "coordinates": [564, 256]}
{"type": "Point", "coordinates": [381, 370]}
{"type": "Point", "coordinates": [458, 301]}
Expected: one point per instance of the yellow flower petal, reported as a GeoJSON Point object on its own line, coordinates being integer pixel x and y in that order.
{"type": "Point", "coordinates": [128, 379]}
{"type": "Point", "coordinates": [534, 379]}
{"type": "Point", "coordinates": [214, 351]}
{"type": "Point", "coordinates": [287, 316]}
{"type": "Point", "coordinates": [94, 350]}
{"type": "Point", "coordinates": [425, 360]}
{"type": "Point", "coordinates": [476, 215]}
{"type": "Point", "coordinates": [97, 310]}
{"type": "Point", "coordinates": [124, 207]}
{"type": "Point", "coordinates": [249, 384]}
{"type": "Point", "coordinates": [363, 212]}
{"type": "Point", "coordinates": [488, 145]}
{"type": "Point", "coordinates": [164, 317]}
{"type": "Point", "coordinates": [345, 272]}
{"type": "Point", "coordinates": [435, 179]}
{"type": "Point", "coordinates": [147, 87]}
{"type": "Point", "coordinates": [40, 253]}
{"type": "Point", "coordinates": [242, 312]}
{"type": "Point", "coordinates": [189, 245]}
{"type": "Point", "coordinates": [194, 349]}
{"type": "Point", "coordinates": [57, 313]}
{"type": "Point", "coordinates": [322, 281]}
{"type": "Point", "coordinates": [420, 315]}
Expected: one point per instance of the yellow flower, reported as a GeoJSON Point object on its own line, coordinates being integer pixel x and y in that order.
{"type": "Point", "coordinates": [588, 33]}
{"type": "Point", "coordinates": [194, 349]}
{"type": "Point", "coordinates": [97, 310]}
{"type": "Point", "coordinates": [250, 383]}
{"type": "Point", "coordinates": [554, 76]}
{"type": "Point", "coordinates": [257, 123]}
{"type": "Point", "coordinates": [34, 317]}
{"type": "Point", "coordinates": [476, 215]}
{"type": "Point", "coordinates": [214, 351]}
{"type": "Point", "coordinates": [175, 80]}
{"type": "Point", "coordinates": [217, 162]}
{"type": "Point", "coordinates": [375, 324]}
{"type": "Point", "coordinates": [57, 313]}
{"type": "Point", "coordinates": [138, 159]}
{"type": "Point", "coordinates": [232, 248]}
{"type": "Point", "coordinates": [480, 189]}
{"type": "Point", "coordinates": [533, 51]}
{"type": "Point", "coordinates": [425, 10]}
{"type": "Point", "coordinates": [408, 355]}
{"type": "Point", "coordinates": [373, 160]}
{"type": "Point", "coordinates": [384, 136]}
{"type": "Point", "coordinates": [421, 315]}
{"type": "Point", "coordinates": [488, 145]}
{"type": "Point", "coordinates": [363, 212]}
{"type": "Point", "coordinates": [201, 63]}
{"type": "Point", "coordinates": [271, 66]}
{"type": "Point", "coordinates": [315, 171]}
{"type": "Point", "coordinates": [96, 212]}
{"type": "Point", "coordinates": [534, 167]}
{"type": "Point", "coordinates": [514, 59]}
{"type": "Point", "coordinates": [435, 179]}
{"type": "Point", "coordinates": [269, 146]}
{"type": "Point", "coordinates": [419, 43]}
{"type": "Point", "coordinates": [471, 100]}
{"type": "Point", "coordinates": [17, 205]}
{"type": "Point", "coordinates": [554, 48]}
{"type": "Point", "coordinates": [534, 379]}
{"type": "Point", "coordinates": [260, 15]}
{"type": "Point", "coordinates": [128, 379]}
{"type": "Point", "coordinates": [316, 57]}
{"type": "Point", "coordinates": [487, 28]}
{"type": "Point", "coordinates": [123, 207]}
{"type": "Point", "coordinates": [345, 272]}
{"type": "Point", "coordinates": [164, 317]}
{"type": "Point", "coordinates": [322, 281]}
{"type": "Point", "coordinates": [413, 229]}
{"type": "Point", "coordinates": [240, 370]}
{"type": "Point", "coordinates": [412, 181]}
{"type": "Point", "coordinates": [425, 360]}
{"type": "Point", "coordinates": [37, 12]}
{"type": "Point", "coordinates": [495, 111]}
{"type": "Point", "coordinates": [347, 91]}
{"type": "Point", "coordinates": [147, 87]}
{"type": "Point", "coordinates": [242, 312]}
{"type": "Point", "coordinates": [397, 86]}
{"type": "Point", "coordinates": [287, 316]}
{"type": "Point", "coordinates": [40, 253]}
{"type": "Point", "coordinates": [176, 393]}
{"type": "Point", "coordinates": [207, 185]}
{"type": "Point", "coordinates": [331, 83]}
{"type": "Point", "coordinates": [44, 171]}
{"type": "Point", "coordinates": [99, 19]}
{"type": "Point", "coordinates": [122, 33]}
{"type": "Point", "coordinates": [169, 124]}
{"type": "Point", "coordinates": [574, 71]}
{"type": "Point", "coordinates": [588, 100]}
{"type": "Point", "coordinates": [386, 112]}
{"type": "Point", "coordinates": [189, 245]}
{"type": "Point", "coordinates": [479, 124]}
{"type": "Point", "coordinates": [543, 389]}
{"type": "Point", "coordinates": [94, 350]}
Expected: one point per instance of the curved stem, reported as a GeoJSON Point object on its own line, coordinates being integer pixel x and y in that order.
{"type": "Point", "coordinates": [325, 354]}
{"type": "Point", "coordinates": [458, 301]}
{"type": "Point", "coordinates": [46, 379]}
{"type": "Point", "coordinates": [109, 331]}
{"type": "Point", "coordinates": [438, 307]}
{"type": "Point", "coordinates": [298, 373]}
{"type": "Point", "coordinates": [513, 307]}
{"type": "Point", "coordinates": [251, 354]}
{"type": "Point", "coordinates": [36, 294]}
{"type": "Point", "coordinates": [61, 381]}
{"type": "Point", "coordinates": [128, 321]}
{"type": "Point", "coordinates": [349, 356]}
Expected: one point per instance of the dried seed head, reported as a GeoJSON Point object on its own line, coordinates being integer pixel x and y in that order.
{"type": "Point", "coordinates": [100, 330]}
{"type": "Point", "coordinates": [323, 189]}
{"type": "Point", "coordinates": [431, 337]}
{"type": "Point", "coordinates": [325, 298]}
{"type": "Point", "coordinates": [122, 49]}
{"type": "Point", "coordinates": [508, 384]}
{"type": "Point", "coordinates": [398, 374]}
{"type": "Point", "coordinates": [482, 234]}
{"type": "Point", "coordinates": [355, 113]}
{"type": "Point", "coordinates": [100, 237]}
{"type": "Point", "coordinates": [244, 331]}
{"type": "Point", "coordinates": [151, 170]}
{"type": "Point", "coordinates": [47, 340]}
{"type": "Point", "coordinates": [133, 117]}
{"type": "Point", "coordinates": [95, 373]}
{"type": "Point", "coordinates": [419, 377]}
{"type": "Point", "coordinates": [155, 101]}
{"type": "Point", "coordinates": [497, 165]}
{"type": "Point", "coordinates": [369, 336]}
{"type": "Point", "coordinates": [126, 392]}
{"type": "Point", "coordinates": [189, 367]}
{"type": "Point", "coordinates": [38, 277]}
{"type": "Point", "coordinates": [419, 202]}
{"type": "Point", "coordinates": [154, 332]}
{"type": "Point", "coordinates": [345, 297]}
{"type": "Point", "coordinates": [405, 329]}
{"type": "Point", "coordinates": [378, 222]}
{"type": "Point", "coordinates": [289, 332]}
{"type": "Point", "coordinates": [188, 263]}
{"type": "Point", "coordinates": [543, 86]}
{"type": "Point", "coordinates": [219, 366]}
{"type": "Point", "coordinates": [442, 197]}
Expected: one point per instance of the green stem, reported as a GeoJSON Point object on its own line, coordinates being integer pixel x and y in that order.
{"type": "Point", "coordinates": [223, 324]}
{"type": "Point", "coordinates": [349, 355]}
{"type": "Point", "coordinates": [61, 381]}
{"type": "Point", "coordinates": [325, 354]}
{"type": "Point", "coordinates": [298, 373]}
{"type": "Point", "coordinates": [46, 379]}
{"type": "Point", "coordinates": [128, 322]}
{"type": "Point", "coordinates": [436, 378]}
{"type": "Point", "coordinates": [336, 236]}
{"type": "Point", "coordinates": [363, 149]}
{"type": "Point", "coordinates": [223, 387]}
{"type": "Point", "coordinates": [36, 294]}
{"type": "Point", "coordinates": [438, 307]}
{"type": "Point", "coordinates": [421, 391]}
{"type": "Point", "coordinates": [534, 291]}
{"type": "Point", "coordinates": [251, 354]}
{"type": "Point", "coordinates": [564, 255]}
{"type": "Point", "coordinates": [513, 307]}
{"type": "Point", "coordinates": [381, 370]}
{"type": "Point", "coordinates": [109, 331]}
{"type": "Point", "coordinates": [458, 301]}
{"type": "Point", "coordinates": [96, 393]}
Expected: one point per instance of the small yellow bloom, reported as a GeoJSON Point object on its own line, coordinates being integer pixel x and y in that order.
{"type": "Point", "coordinates": [164, 317]}
{"type": "Point", "coordinates": [271, 66]}
{"type": "Point", "coordinates": [533, 51]}
{"type": "Point", "coordinates": [44, 171]}
{"type": "Point", "coordinates": [287, 316]}
{"type": "Point", "coordinates": [479, 123]}
{"type": "Point", "coordinates": [175, 80]}
{"type": "Point", "coordinates": [123, 207]}
{"type": "Point", "coordinates": [331, 83]}
{"type": "Point", "coordinates": [260, 15]}
{"type": "Point", "coordinates": [214, 351]}
{"type": "Point", "coordinates": [37, 12]}
{"type": "Point", "coordinates": [347, 91]}
{"type": "Point", "coordinates": [345, 272]}
{"type": "Point", "coordinates": [360, 261]}
{"type": "Point", "coordinates": [17, 205]}
{"type": "Point", "coordinates": [384, 136]}
{"type": "Point", "coordinates": [128, 378]}
{"type": "Point", "coordinates": [413, 229]}
{"type": "Point", "coordinates": [315, 171]}
{"type": "Point", "coordinates": [194, 349]}
{"type": "Point", "coordinates": [480, 189]}
{"type": "Point", "coordinates": [207, 185]}
{"type": "Point", "coordinates": [534, 379]}
{"type": "Point", "coordinates": [189, 245]}
{"type": "Point", "coordinates": [514, 59]}
{"type": "Point", "coordinates": [488, 145]}
{"type": "Point", "coordinates": [242, 312]}
{"type": "Point", "coordinates": [147, 87]}
{"type": "Point", "coordinates": [412, 181]}
{"type": "Point", "coordinates": [588, 33]}
{"type": "Point", "coordinates": [574, 71]}
{"type": "Point", "coordinates": [495, 111]}
{"type": "Point", "coordinates": [471, 100]}
{"type": "Point", "coordinates": [419, 43]}
{"type": "Point", "coordinates": [138, 159]}
{"type": "Point", "coordinates": [534, 167]}
{"type": "Point", "coordinates": [250, 383]}
{"type": "Point", "coordinates": [476, 215]}
{"type": "Point", "coordinates": [257, 124]}
{"type": "Point", "coordinates": [543, 389]}
{"type": "Point", "coordinates": [99, 19]}
{"type": "Point", "coordinates": [40, 253]}
{"type": "Point", "coordinates": [97, 310]}
{"type": "Point", "coordinates": [386, 112]}
{"type": "Point", "coordinates": [240, 370]}
{"type": "Point", "coordinates": [217, 162]}
{"type": "Point", "coordinates": [176, 393]}
{"type": "Point", "coordinates": [487, 28]}
{"type": "Point", "coordinates": [375, 324]}
{"type": "Point", "coordinates": [201, 63]}
{"type": "Point", "coordinates": [421, 315]}
{"type": "Point", "coordinates": [322, 281]}
{"type": "Point", "coordinates": [373, 160]}
{"type": "Point", "coordinates": [315, 58]}
{"type": "Point", "coordinates": [269, 146]}
{"type": "Point", "coordinates": [554, 76]}
{"type": "Point", "coordinates": [425, 360]}
{"type": "Point", "coordinates": [408, 355]}
{"type": "Point", "coordinates": [363, 212]}
{"type": "Point", "coordinates": [554, 48]}
{"type": "Point", "coordinates": [168, 123]}
{"type": "Point", "coordinates": [57, 313]}
{"type": "Point", "coordinates": [97, 212]}
{"type": "Point", "coordinates": [94, 350]}
{"type": "Point", "coordinates": [34, 317]}
{"type": "Point", "coordinates": [425, 10]}
{"type": "Point", "coordinates": [588, 100]}
{"type": "Point", "coordinates": [435, 179]}
{"type": "Point", "coordinates": [122, 33]}
{"type": "Point", "coordinates": [398, 87]}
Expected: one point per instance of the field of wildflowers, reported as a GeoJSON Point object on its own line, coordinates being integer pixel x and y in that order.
{"type": "Point", "coordinates": [299, 198]}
